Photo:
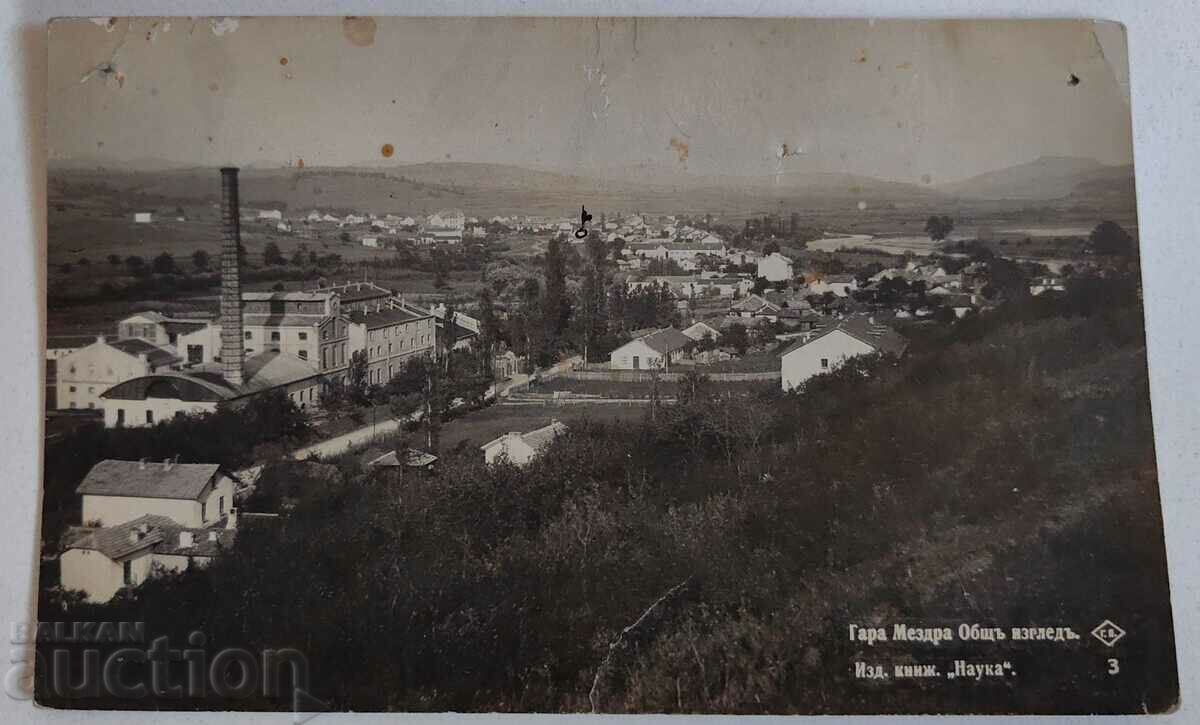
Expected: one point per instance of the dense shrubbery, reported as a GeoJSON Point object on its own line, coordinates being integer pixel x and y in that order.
{"type": "Point", "coordinates": [975, 476]}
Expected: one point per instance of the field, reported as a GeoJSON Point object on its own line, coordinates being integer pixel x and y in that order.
{"type": "Point", "coordinates": [463, 436]}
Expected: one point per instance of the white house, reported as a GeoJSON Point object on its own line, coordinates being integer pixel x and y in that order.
{"type": "Point", "coordinates": [655, 351]}
{"type": "Point", "coordinates": [521, 448]}
{"type": "Point", "coordinates": [775, 268]}
{"type": "Point", "coordinates": [83, 375]}
{"type": "Point", "coordinates": [190, 494]}
{"type": "Point", "coordinates": [826, 350]}
{"type": "Point", "coordinates": [143, 217]}
{"type": "Point", "coordinates": [370, 242]}
{"type": "Point", "coordinates": [100, 561]}
{"type": "Point", "coordinates": [272, 214]}
{"type": "Point", "coordinates": [841, 285]}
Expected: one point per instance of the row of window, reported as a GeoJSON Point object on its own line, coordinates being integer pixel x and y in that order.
{"type": "Point", "coordinates": [377, 351]}
{"type": "Point", "coordinates": [121, 417]}
{"type": "Point", "coordinates": [275, 335]}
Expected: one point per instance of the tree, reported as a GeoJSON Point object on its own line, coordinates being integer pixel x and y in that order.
{"type": "Point", "coordinates": [489, 329]}
{"type": "Point", "coordinates": [555, 306]}
{"type": "Point", "coordinates": [164, 264]}
{"type": "Point", "coordinates": [735, 336]}
{"type": "Point", "coordinates": [1111, 239]}
{"type": "Point", "coordinates": [770, 247]}
{"type": "Point", "coordinates": [114, 260]}
{"type": "Point", "coordinates": [939, 227]}
{"type": "Point", "coordinates": [200, 260]}
{"type": "Point", "coordinates": [272, 255]}
{"type": "Point", "coordinates": [356, 385]}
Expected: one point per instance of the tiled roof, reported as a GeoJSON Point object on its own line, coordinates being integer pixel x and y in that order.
{"type": "Point", "coordinates": [272, 369]}
{"type": "Point", "coordinates": [383, 318]}
{"type": "Point", "coordinates": [881, 338]}
{"type": "Point", "coordinates": [320, 296]}
{"type": "Point", "coordinates": [184, 481]}
{"type": "Point", "coordinates": [666, 340]}
{"type": "Point", "coordinates": [155, 355]}
{"type": "Point", "coordinates": [281, 320]}
{"type": "Point", "coordinates": [182, 327]}
{"type": "Point", "coordinates": [159, 534]}
{"type": "Point", "coordinates": [544, 435]}
{"type": "Point", "coordinates": [415, 459]}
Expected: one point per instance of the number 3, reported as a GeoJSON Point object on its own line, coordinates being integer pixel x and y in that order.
{"type": "Point", "coordinates": [1114, 666]}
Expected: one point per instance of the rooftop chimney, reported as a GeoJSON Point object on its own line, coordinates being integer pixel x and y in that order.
{"type": "Point", "coordinates": [232, 347]}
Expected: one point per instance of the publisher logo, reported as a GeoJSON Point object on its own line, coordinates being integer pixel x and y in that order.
{"type": "Point", "coordinates": [1108, 633]}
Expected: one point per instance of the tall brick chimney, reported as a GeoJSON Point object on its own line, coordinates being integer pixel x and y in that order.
{"type": "Point", "coordinates": [232, 347]}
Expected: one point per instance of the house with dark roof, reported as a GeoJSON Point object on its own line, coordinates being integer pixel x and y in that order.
{"type": "Point", "coordinates": [826, 350]}
{"type": "Point", "coordinates": [653, 351]}
{"type": "Point", "coordinates": [102, 560]}
{"type": "Point", "coordinates": [413, 458]}
{"type": "Point", "coordinates": [521, 448]}
{"type": "Point", "coordinates": [83, 375]}
{"type": "Point", "coordinates": [190, 494]}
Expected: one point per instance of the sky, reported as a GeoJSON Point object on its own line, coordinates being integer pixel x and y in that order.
{"type": "Point", "coordinates": [918, 101]}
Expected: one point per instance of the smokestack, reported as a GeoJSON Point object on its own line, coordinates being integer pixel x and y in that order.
{"type": "Point", "coordinates": [232, 347]}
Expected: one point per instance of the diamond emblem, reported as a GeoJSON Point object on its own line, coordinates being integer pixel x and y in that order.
{"type": "Point", "coordinates": [1108, 633]}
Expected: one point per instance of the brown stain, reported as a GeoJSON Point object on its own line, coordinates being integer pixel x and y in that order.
{"type": "Point", "coordinates": [680, 148]}
{"type": "Point", "coordinates": [299, 163]}
{"type": "Point", "coordinates": [283, 60]}
{"type": "Point", "coordinates": [862, 56]}
{"type": "Point", "coordinates": [359, 31]}
{"type": "Point", "coordinates": [387, 150]}
{"type": "Point", "coordinates": [214, 87]}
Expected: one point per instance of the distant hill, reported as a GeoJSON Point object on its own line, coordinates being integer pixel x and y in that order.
{"type": "Point", "coordinates": [1046, 178]}
{"type": "Point", "coordinates": [485, 189]}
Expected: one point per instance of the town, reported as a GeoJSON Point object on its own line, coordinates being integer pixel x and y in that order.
{"type": "Point", "coordinates": [598, 365]}
{"type": "Point", "coordinates": [657, 301]}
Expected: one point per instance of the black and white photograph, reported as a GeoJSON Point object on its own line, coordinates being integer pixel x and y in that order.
{"type": "Point", "coordinates": [736, 366]}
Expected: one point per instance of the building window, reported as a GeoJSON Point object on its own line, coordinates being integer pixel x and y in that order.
{"type": "Point", "coordinates": [824, 363]}
{"type": "Point", "coordinates": [303, 335]}
{"type": "Point", "coordinates": [221, 506]}
{"type": "Point", "coordinates": [120, 417]}
{"type": "Point", "coordinates": [204, 511]}
{"type": "Point", "coordinates": [150, 417]}
{"type": "Point", "coordinates": [127, 572]}
{"type": "Point", "coordinates": [72, 388]}
{"type": "Point", "coordinates": [303, 354]}
{"type": "Point", "coordinates": [274, 337]}
{"type": "Point", "coordinates": [91, 389]}
{"type": "Point", "coordinates": [248, 336]}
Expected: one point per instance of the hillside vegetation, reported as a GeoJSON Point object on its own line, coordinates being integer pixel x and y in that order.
{"type": "Point", "coordinates": [710, 557]}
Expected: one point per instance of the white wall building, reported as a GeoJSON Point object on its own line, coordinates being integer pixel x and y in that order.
{"type": "Point", "coordinates": [827, 350]}
{"type": "Point", "coordinates": [190, 494]}
{"type": "Point", "coordinates": [521, 448]}
{"type": "Point", "coordinates": [655, 351]}
{"type": "Point", "coordinates": [775, 268]}
{"type": "Point", "coordinates": [83, 375]}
